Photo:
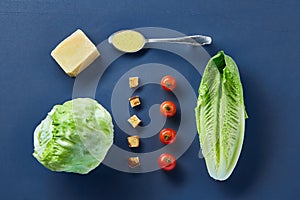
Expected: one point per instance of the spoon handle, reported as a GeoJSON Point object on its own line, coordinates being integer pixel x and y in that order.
{"type": "Point", "coordinates": [195, 40]}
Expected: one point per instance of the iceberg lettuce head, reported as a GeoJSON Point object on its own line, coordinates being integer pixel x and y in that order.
{"type": "Point", "coordinates": [74, 137]}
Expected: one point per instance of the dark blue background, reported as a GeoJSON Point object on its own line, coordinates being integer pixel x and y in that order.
{"type": "Point", "coordinates": [261, 35]}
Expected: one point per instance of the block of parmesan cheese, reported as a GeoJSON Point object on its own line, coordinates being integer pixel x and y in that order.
{"type": "Point", "coordinates": [75, 53]}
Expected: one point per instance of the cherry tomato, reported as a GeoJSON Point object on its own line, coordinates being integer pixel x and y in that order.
{"type": "Point", "coordinates": [168, 108]}
{"type": "Point", "coordinates": [167, 136]}
{"type": "Point", "coordinates": [168, 83]}
{"type": "Point", "coordinates": [166, 162]}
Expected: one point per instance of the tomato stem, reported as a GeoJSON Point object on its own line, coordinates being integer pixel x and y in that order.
{"type": "Point", "coordinates": [168, 160]}
{"type": "Point", "coordinates": [168, 108]}
{"type": "Point", "coordinates": [166, 137]}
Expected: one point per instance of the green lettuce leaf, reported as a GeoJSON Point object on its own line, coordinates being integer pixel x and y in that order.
{"type": "Point", "coordinates": [74, 137]}
{"type": "Point", "coordinates": [220, 116]}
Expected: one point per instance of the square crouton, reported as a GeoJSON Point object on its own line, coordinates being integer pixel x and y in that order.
{"type": "Point", "coordinates": [134, 121]}
{"type": "Point", "coordinates": [133, 141]}
{"type": "Point", "coordinates": [133, 82]}
{"type": "Point", "coordinates": [133, 162]}
{"type": "Point", "coordinates": [134, 101]}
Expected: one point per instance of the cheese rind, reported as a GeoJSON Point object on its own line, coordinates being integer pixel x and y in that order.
{"type": "Point", "coordinates": [75, 53]}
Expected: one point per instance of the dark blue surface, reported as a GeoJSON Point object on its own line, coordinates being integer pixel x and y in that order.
{"type": "Point", "coordinates": [263, 38]}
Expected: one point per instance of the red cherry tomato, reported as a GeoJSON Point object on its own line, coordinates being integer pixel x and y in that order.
{"type": "Point", "coordinates": [168, 83]}
{"type": "Point", "coordinates": [168, 108]}
{"type": "Point", "coordinates": [166, 162]}
{"type": "Point", "coordinates": [167, 136]}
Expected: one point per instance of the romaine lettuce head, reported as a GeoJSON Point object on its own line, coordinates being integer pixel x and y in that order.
{"type": "Point", "coordinates": [74, 137]}
{"type": "Point", "coordinates": [220, 116]}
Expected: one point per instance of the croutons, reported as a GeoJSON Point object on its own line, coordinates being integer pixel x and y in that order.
{"type": "Point", "coordinates": [133, 82]}
{"type": "Point", "coordinates": [133, 141]}
{"type": "Point", "coordinates": [133, 162]}
{"type": "Point", "coordinates": [134, 121]}
{"type": "Point", "coordinates": [134, 101]}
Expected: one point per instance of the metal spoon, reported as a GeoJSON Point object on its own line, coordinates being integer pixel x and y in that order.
{"type": "Point", "coordinates": [135, 41]}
